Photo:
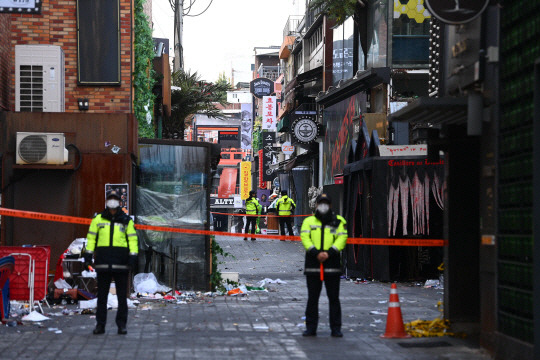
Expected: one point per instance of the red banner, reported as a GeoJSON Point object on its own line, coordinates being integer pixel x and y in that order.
{"type": "Point", "coordinates": [262, 183]}
{"type": "Point", "coordinates": [227, 183]}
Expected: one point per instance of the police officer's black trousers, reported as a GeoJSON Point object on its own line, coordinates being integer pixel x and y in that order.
{"type": "Point", "coordinates": [314, 285]}
{"type": "Point", "coordinates": [104, 283]}
{"type": "Point", "coordinates": [251, 220]}
{"type": "Point", "coordinates": [286, 220]}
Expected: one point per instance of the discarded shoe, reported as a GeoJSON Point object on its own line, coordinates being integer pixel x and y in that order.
{"type": "Point", "coordinates": [309, 333]}
{"type": "Point", "coordinates": [122, 331]}
{"type": "Point", "coordinates": [100, 329]}
{"type": "Point", "coordinates": [337, 333]}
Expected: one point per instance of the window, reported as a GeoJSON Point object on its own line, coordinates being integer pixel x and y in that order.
{"type": "Point", "coordinates": [410, 36]}
{"type": "Point", "coordinates": [343, 52]}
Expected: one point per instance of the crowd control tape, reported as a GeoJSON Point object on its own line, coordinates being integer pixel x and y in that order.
{"type": "Point", "coordinates": [85, 221]}
{"type": "Point", "coordinates": [255, 215]}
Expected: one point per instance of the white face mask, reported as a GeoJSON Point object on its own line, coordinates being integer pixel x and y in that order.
{"type": "Point", "coordinates": [323, 208]}
{"type": "Point", "coordinates": [113, 203]}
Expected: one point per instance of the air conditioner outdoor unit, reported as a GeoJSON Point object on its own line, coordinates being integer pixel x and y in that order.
{"type": "Point", "coordinates": [41, 148]}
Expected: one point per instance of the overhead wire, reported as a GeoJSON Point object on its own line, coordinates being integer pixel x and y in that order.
{"type": "Point", "coordinates": [211, 1]}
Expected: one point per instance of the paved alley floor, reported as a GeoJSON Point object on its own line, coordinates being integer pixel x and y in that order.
{"type": "Point", "coordinates": [260, 325]}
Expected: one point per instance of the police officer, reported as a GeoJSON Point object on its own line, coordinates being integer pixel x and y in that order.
{"type": "Point", "coordinates": [252, 208]}
{"type": "Point", "coordinates": [324, 236]}
{"type": "Point", "coordinates": [285, 208]}
{"type": "Point", "coordinates": [112, 241]}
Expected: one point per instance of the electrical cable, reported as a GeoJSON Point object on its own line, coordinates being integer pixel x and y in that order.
{"type": "Point", "coordinates": [211, 1]}
{"type": "Point", "coordinates": [78, 153]}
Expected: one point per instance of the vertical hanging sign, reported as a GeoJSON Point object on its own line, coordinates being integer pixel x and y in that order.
{"type": "Point", "coordinates": [245, 179]}
{"type": "Point", "coordinates": [268, 140]}
{"type": "Point", "coordinates": [262, 183]}
{"type": "Point", "coordinates": [269, 113]}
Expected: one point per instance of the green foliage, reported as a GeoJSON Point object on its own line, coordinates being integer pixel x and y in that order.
{"type": "Point", "coordinates": [338, 10]}
{"type": "Point", "coordinates": [143, 74]}
{"type": "Point", "coordinates": [195, 96]}
{"type": "Point", "coordinates": [216, 281]}
{"type": "Point", "coordinates": [224, 83]}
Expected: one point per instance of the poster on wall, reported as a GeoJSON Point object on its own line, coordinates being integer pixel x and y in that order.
{"type": "Point", "coordinates": [247, 126]}
{"type": "Point", "coordinates": [123, 190]}
{"type": "Point", "coordinates": [338, 120]}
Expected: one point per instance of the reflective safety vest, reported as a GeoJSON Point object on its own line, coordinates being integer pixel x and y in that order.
{"type": "Point", "coordinates": [253, 206]}
{"type": "Point", "coordinates": [316, 237]}
{"type": "Point", "coordinates": [285, 205]}
{"type": "Point", "coordinates": [112, 240]}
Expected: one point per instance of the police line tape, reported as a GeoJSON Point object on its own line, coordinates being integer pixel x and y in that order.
{"type": "Point", "coordinates": [255, 215]}
{"type": "Point", "coordinates": [85, 221]}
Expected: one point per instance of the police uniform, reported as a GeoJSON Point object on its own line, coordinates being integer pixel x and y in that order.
{"type": "Point", "coordinates": [328, 234]}
{"type": "Point", "coordinates": [252, 208]}
{"type": "Point", "coordinates": [285, 207]}
{"type": "Point", "coordinates": [112, 240]}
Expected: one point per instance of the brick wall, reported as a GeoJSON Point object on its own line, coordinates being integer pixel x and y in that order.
{"type": "Point", "coordinates": [5, 61]}
{"type": "Point", "coordinates": [57, 25]}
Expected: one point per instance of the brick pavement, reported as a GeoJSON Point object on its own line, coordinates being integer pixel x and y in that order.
{"type": "Point", "coordinates": [262, 325]}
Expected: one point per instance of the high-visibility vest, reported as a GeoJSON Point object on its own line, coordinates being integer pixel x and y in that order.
{"type": "Point", "coordinates": [253, 206]}
{"type": "Point", "coordinates": [317, 237]}
{"type": "Point", "coordinates": [112, 241]}
{"type": "Point", "coordinates": [285, 205]}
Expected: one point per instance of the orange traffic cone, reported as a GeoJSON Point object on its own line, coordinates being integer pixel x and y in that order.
{"type": "Point", "coordinates": [394, 321]}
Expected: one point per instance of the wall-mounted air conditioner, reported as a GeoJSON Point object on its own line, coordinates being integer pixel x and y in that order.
{"type": "Point", "coordinates": [41, 148]}
{"type": "Point", "coordinates": [39, 78]}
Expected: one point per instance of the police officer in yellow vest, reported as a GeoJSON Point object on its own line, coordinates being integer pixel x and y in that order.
{"type": "Point", "coordinates": [112, 241]}
{"type": "Point", "coordinates": [285, 208]}
{"type": "Point", "coordinates": [324, 236]}
{"type": "Point", "coordinates": [252, 208]}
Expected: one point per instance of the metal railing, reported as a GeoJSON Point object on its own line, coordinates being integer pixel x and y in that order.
{"type": "Point", "coordinates": [269, 72]}
{"type": "Point", "coordinates": [291, 26]}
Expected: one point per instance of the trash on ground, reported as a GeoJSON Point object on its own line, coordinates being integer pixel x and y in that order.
{"type": "Point", "coordinates": [112, 302]}
{"type": "Point", "coordinates": [89, 274]}
{"type": "Point", "coordinates": [62, 284]}
{"type": "Point", "coordinates": [34, 316]}
{"type": "Point", "coordinates": [377, 312]}
{"type": "Point", "coordinates": [147, 283]}
{"type": "Point", "coordinates": [432, 284]}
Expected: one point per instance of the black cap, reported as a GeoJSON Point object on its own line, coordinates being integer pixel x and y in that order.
{"type": "Point", "coordinates": [252, 193]}
{"type": "Point", "coordinates": [113, 194]}
{"type": "Point", "coordinates": [283, 192]}
{"type": "Point", "coordinates": [323, 197]}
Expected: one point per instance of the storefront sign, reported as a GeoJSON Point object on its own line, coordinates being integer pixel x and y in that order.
{"type": "Point", "coordinates": [305, 130]}
{"type": "Point", "coordinates": [245, 179]}
{"type": "Point", "coordinates": [269, 121]}
{"type": "Point", "coordinates": [287, 148]}
{"type": "Point", "coordinates": [217, 202]}
{"type": "Point", "coordinates": [21, 6]}
{"type": "Point", "coordinates": [262, 183]}
{"type": "Point", "coordinates": [261, 87]}
{"type": "Point", "coordinates": [268, 140]}
{"type": "Point", "coordinates": [403, 150]}
{"type": "Point", "coordinates": [456, 11]}
{"type": "Point", "coordinates": [238, 204]}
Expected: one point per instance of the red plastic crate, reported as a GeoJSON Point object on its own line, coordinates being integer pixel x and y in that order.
{"type": "Point", "coordinates": [18, 281]}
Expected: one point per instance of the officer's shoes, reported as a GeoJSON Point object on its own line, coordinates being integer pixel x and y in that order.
{"type": "Point", "coordinates": [100, 329]}
{"type": "Point", "coordinates": [245, 239]}
{"type": "Point", "coordinates": [252, 239]}
{"type": "Point", "coordinates": [337, 333]}
{"type": "Point", "coordinates": [309, 333]}
{"type": "Point", "coordinates": [122, 330]}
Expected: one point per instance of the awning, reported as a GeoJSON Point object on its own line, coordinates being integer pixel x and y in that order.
{"type": "Point", "coordinates": [362, 81]}
{"type": "Point", "coordinates": [284, 123]}
{"type": "Point", "coordinates": [433, 111]}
